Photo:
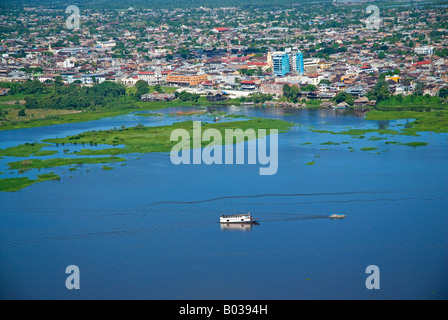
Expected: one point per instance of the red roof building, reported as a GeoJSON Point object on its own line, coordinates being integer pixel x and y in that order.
{"type": "Point", "coordinates": [422, 63]}
{"type": "Point", "coordinates": [220, 29]}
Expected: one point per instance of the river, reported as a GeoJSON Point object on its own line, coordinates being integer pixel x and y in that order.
{"type": "Point", "coordinates": [150, 229]}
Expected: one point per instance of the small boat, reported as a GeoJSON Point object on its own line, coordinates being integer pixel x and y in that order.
{"type": "Point", "coordinates": [337, 216]}
{"type": "Point", "coordinates": [237, 218]}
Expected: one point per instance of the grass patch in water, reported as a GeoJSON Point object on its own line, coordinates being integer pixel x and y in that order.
{"type": "Point", "coordinates": [433, 121]}
{"type": "Point", "coordinates": [368, 149]}
{"type": "Point", "coordinates": [415, 144]}
{"type": "Point", "coordinates": [409, 144]}
{"type": "Point", "coordinates": [141, 139]}
{"type": "Point", "coordinates": [329, 143]}
{"type": "Point", "coordinates": [23, 150]}
{"type": "Point", "coordinates": [16, 184]}
{"type": "Point", "coordinates": [51, 163]}
{"type": "Point", "coordinates": [376, 138]}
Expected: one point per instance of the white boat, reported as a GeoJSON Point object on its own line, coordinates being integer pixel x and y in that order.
{"type": "Point", "coordinates": [337, 216]}
{"type": "Point", "coordinates": [237, 218]}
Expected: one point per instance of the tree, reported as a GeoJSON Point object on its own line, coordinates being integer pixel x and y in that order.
{"type": "Point", "coordinates": [292, 93]}
{"type": "Point", "coordinates": [381, 55]}
{"type": "Point", "coordinates": [418, 90]}
{"type": "Point", "coordinates": [142, 88]}
{"type": "Point", "coordinates": [31, 102]}
{"type": "Point", "coordinates": [22, 113]}
{"type": "Point", "coordinates": [158, 88]}
{"type": "Point", "coordinates": [310, 88]}
{"type": "Point", "coordinates": [344, 97]}
{"type": "Point", "coordinates": [443, 92]}
{"type": "Point", "coordinates": [325, 81]}
{"type": "Point", "coordinates": [380, 91]}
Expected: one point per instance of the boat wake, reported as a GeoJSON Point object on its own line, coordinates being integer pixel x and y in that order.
{"type": "Point", "coordinates": [267, 195]}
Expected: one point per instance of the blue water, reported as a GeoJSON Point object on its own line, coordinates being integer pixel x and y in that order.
{"type": "Point", "coordinates": [149, 230]}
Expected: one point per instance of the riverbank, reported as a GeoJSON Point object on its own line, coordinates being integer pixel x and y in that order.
{"type": "Point", "coordinates": [49, 117]}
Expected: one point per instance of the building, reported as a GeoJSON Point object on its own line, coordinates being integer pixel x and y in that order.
{"type": "Point", "coordinates": [296, 60]}
{"type": "Point", "coordinates": [47, 77]}
{"type": "Point", "coordinates": [363, 102]}
{"type": "Point", "coordinates": [281, 64]}
{"type": "Point", "coordinates": [74, 50]}
{"type": "Point", "coordinates": [275, 88]}
{"type": "Point", "coordinates": [356, 91]}
{"type": "Point", "coordinates": [185, 79]}
{"type": "Point", "coordinates": [323, 65]}
{"type": "Point", "coordinates": [310, 65]}
{"type": "Point", "coordinates": [68, 64]}
{"type": "Point", "coordinates": [153, 77]}
{"type": "Point", "coordinates": [289, 61]}
{"type": "Point", "coordinates": [4, 91]}
{"type": "Point", "coordinates": [220, 30]}
{"type": "Point", "coordinates": [248, 85]}
{"type": "Point", "coordinates": [270, 60]}
{"type": "Point", "coordinates": [217, 96]}
{"type": "Point", "coordinates": [366, 68]}
{"type": "Point", "coordinates": [106, 44]}
{"type": "Point", "coordinates": [424, 50]}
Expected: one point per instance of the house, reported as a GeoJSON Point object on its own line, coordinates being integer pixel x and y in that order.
{"type": "Point", "coordinates": [356, 91]}
{"type": "Point", "coordinates": [127, 81]}
{"type": "Point", "coordinates": [186, 79]}
{"type": "Point", "coordinates": [275, 88]}
{"type": "Point", "coordinates": [327, 104]}
{"type": "Point", "coordinates": [342, 105]}
{"type": "Point", "coordinates": [248, 85]}
{"type": "Point", "coordinates": [432, 90]}
{"type": "Point", "coordinates": [326, 95]}
{"type": "Point", "coordinates": [220, 30]}
{"type": "Point", "coordinates": [424, 50]}
{"type": "Point", "coordinates": [339, 87]}
{"type": "Point", "coordinates": [217, 96]}
{"type": "Point", "coordinates": [207, 85]}
{"type": "Point", "coordinates": [366, 68]}
{"type": "Point", "coordinates": [4, 91]}
{"type": "Point", "coordinates": [360, 102]}
{"type": "Point", "coordinates": [153, 77]}
{"type": "Point", "coordinates": [422, 64]}
{"type": "Point", "coordinates": [371, 103]}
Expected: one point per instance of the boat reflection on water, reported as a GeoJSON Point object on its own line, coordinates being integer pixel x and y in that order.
{"type": "Point", "coordinates": [238, 226]}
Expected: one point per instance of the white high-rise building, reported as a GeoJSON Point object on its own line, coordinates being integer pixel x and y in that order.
{"type": "Point", "coordinates": [424, 50]}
